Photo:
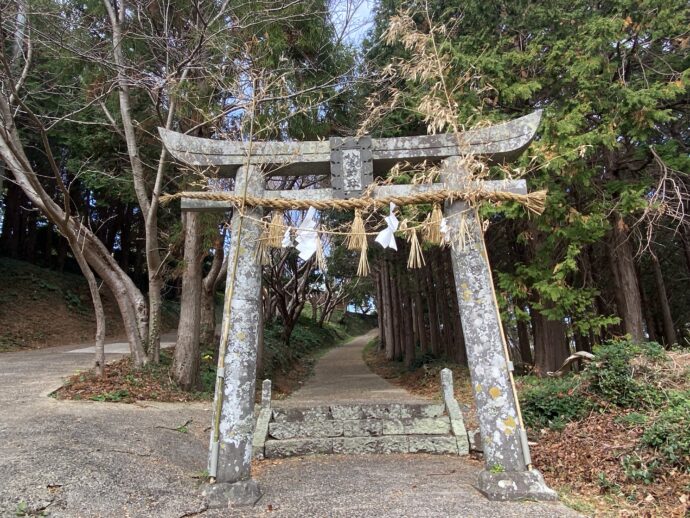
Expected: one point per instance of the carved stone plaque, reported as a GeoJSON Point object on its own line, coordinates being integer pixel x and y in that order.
{"type": "Point", "coordinates": [351, 166]}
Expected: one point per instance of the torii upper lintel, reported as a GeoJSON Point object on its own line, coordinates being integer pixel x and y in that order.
{"type": "Point", "coordinates": [497, 143]}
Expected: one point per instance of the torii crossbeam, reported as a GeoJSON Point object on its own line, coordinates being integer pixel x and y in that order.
{"type": "Point", "coordinates": [352, 164]}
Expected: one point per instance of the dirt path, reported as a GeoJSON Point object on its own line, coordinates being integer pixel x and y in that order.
{"type": "Point", "coordinates": [82, 458]}
{"type": "Point", "coordinates": [342, 376]}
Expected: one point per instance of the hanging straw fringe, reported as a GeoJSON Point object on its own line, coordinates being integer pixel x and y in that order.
{"type": "Point", "coordinates": [357, 237]}
{"type": "Point", "coordinates": [433, 226]}
{"type": "Point", "coordinates": [263, 255]}
{"type": "Point", "coordinates": [363, 267]}
{"type": "Point", "coordinates": [416, 259]}
{"type": "Point", "coordinates": [276, 230]}
{"type": "Point", "coordinates": [464, 232]}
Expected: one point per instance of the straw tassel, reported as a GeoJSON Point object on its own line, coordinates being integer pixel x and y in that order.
{"type": "Point", "coordinates": [363, 267]}
{"type": "Point", "coordinates": [276, 230]}
{"type": "Point", "coordinates": [536, 202]}
{"type": "Point", "coordinates": [464, 233]}
{"type": "Point", "coordinates": [433, 226]}
{"type": "Point", "coordinates": [263, 256]}
{"type": "Point", "coordinates": [416, 258]}
{"type": "Point", "coordinates": [357, 238]}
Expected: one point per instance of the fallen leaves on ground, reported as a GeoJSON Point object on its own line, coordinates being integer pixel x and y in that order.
{"type": "Point", "coordinates": [123, 383]}
{"type": "Point", "coordinates": [587, 457]}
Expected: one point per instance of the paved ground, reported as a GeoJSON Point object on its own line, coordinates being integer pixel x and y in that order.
{"type": "Point", "coordinates": [342, 375]}
{"type": "Point", "coordinates": [91, 459]}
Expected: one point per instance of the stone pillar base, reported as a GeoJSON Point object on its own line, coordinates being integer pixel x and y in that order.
{"type": "Point", "coordinates": [515, 485]}
{"type": "Point", "coordinates": [224, 495]}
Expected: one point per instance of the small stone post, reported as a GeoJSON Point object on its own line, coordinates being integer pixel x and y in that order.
{"type": "Point", "coordinates": [240, 330]}
{"type": "Point", "coordinates": [507, 474]}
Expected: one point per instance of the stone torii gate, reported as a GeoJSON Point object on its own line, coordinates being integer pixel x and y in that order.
{"type": "Point", "coordinates": [352, 163]}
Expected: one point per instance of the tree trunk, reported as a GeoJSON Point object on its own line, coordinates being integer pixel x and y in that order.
{"type": "Point", "coordinates": [458, 343]}
{"type": "Point", "coordinates": [650, 324]}
{"type": "Point", "coordinates": [379, 306]}
{"type": "Point", "coordinates": [441, 294]}
{"type": "Point", "coordinates": [219, 266]}
{"type": "Point", "coordinates": [434, 329]}
{"type": "Point", "coordinates": [669, 329]}
{"type": "Point", "coordinates": [625, 279]}
{"type": "Point", "coordinates": [398, 325]}
{"type": "Point", "coordinates": [685, 239]}
{"type": "Point", "coordinates": [99, 360]}
{"type": "Point", "coordinates": [410, 345]}
{"type": "Point", "coordinates": [388, 313]}
{"type": "Point", "coordinates": [185, 369]}
{"type": "Point", "coordinates": [524, 341]}
{"type": "Point", "coordinates": [419, 312]}
{"type": "Point", "coordinates": [550, 346]}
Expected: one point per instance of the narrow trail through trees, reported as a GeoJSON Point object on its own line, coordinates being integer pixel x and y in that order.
{"type": "Point", "coordinates": [342, 376]}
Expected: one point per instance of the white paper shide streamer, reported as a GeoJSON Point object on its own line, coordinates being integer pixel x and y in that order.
{"type": "Point", "coordinates": [307, 236]}
{"type": "Point", "coordinates": [386, 238]}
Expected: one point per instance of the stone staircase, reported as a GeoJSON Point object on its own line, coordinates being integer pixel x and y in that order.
{"type": "Point", "coordinates": [361, 427]}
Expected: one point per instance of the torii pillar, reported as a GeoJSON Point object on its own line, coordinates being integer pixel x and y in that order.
{"type": "Point", "coordinates": [507, 474]}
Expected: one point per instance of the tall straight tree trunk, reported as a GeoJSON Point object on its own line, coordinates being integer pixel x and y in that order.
{"type": "Point", "coordinates": [446, 333]}
{"type": "Point", "coordinates": [379, 306]}
{"type": "Point", "coordinates": [399, 315]}
{"type": "Point", "coordinates": [524, 342]}
{"type": "Point", "coordinates": [669, 329]}
{"type": "Point", "coordinates": [434, 330]}
{"type": "Point", "coordinates": [458, 337]}
{"type": "Point", "coordinates": [550, 345]}
{"type": "Point", "coordinates": [685, 239]}
{"type": "Point", "coordinates": [389, 312]}
{"type": "Point", "coordinates": [419, 312]}
{"type": "Point", "coordinates": [650, 324]}
{"type": "Point", "coordinates": [410, 345]}
{"type": "Point", "coordinates": [185, 369]}
{"type": "Point", "coordinates": [625, 279]}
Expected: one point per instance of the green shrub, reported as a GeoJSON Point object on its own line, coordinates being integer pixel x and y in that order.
{"type": "Point", "coordinates": [670, 431]}
{"type": "Point", "coordinates": [637, 469]}
{"type": "Point", "coordinates": [552, 402]}
{"type": "Point", "coordinates": [633, 419]}
{"type": "Point", "coordinates": [622, 373]}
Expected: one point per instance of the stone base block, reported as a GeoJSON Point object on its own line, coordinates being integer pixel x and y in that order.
{"type": "Point", "coordinates": [294, 447]}
{"type": "Point", "coordinates": [296, 429]}
{"type": "Point", "coordinates": [448, 445]}
{"type": "Point", "coordinates": [418, 426]}
{"type": "Point", "coordinates": [223, 495]}
{"type": "Point", "coordinates": [361, 445]}
{"type": "Point", "coordinates": [515, 485]}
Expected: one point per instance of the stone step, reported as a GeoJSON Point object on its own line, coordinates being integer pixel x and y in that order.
{"type": "Point", "coordinates": [343, 412]}
{"type": "Point", "coordinates": [285, 430]}
{"type": "Point", "coordinates": [359, 427]}
{"type": "Point", "coordinates": [441, 444]}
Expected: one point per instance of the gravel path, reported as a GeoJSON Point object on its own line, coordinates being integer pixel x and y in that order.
{"type": "Point", "coordinates": [79, 458]}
